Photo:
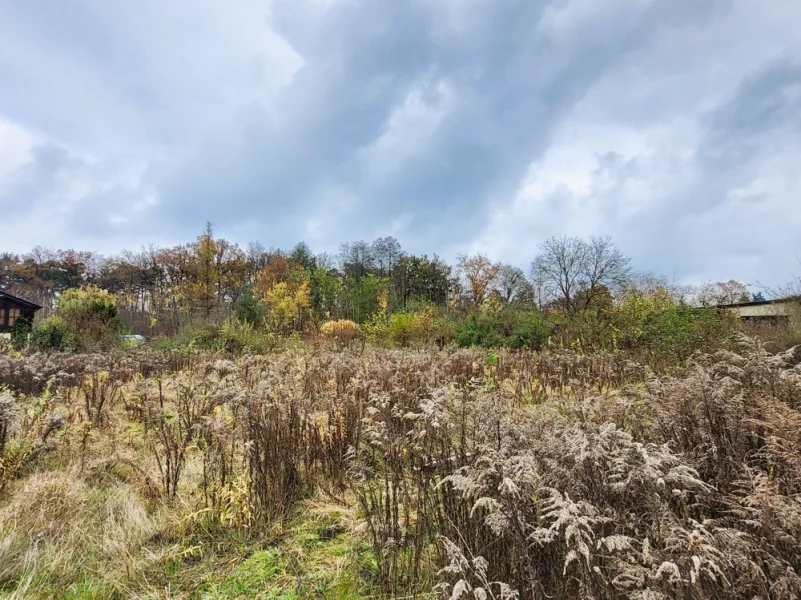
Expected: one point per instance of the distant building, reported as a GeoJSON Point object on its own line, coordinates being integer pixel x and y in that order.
{"type": "Point", "coordinates": [13, 309]}
{"type": "Point", "coordinates": [764, 310]}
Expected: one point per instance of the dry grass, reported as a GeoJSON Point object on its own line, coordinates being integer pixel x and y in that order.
{"type": "Point", "coordinates": [395, 473]}
{"type": "Point", "coordinates": [57, 529]}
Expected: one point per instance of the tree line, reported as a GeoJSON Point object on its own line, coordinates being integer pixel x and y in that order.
{"type": "Point", "coordinates": [158, 290]}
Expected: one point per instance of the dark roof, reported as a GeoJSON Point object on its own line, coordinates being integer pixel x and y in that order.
{"type": "Point", "coordinates": [21, 301]}
{"type": "Point", "coordinates": [759, 303]}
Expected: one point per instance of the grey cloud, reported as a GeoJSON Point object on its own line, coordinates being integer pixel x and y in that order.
{"type": "Point", "coordinates": [272, 140]}
{"type": "Point", "coordinates": [39, 180]}
{"type": "Point", "coordinates": [737, 138]}
{"type": "Point", "coordinates": [766, 103]}
{"type": "Point", "coordinates": [511, 83]}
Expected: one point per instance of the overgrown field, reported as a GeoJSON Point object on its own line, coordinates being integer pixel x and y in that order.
{"type": "Point", "coordinates": [316, 473]}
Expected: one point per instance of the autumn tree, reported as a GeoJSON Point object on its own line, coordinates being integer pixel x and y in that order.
{"type": "Point", "coordinates": [286, 303]}
{"type": "Point", "coordinates": [649, 285]}
{"type": "Point", "coordinates": [284, 288]}
{"type": "Point", "coordinates": [255, 259]}
{"type": "Point", "coordinates": [479, 273]}
{"type": "Point", "coordinates": [232, 270]}
{"type": "Point", "coordinates": [204, 289]}
{"type": "Point", "coordinates": [276, 269]}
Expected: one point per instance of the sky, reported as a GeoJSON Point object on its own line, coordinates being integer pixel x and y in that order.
{"type": "Point", "coordinates": [456, 126]}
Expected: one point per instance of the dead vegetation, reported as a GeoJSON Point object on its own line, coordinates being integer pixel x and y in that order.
{"type": "Point", "coordinates": [472, 475]}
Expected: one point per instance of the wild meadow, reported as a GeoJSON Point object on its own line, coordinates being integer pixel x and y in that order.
{"type": "Point", "coordinates": [392, 429]}
{"type": "Point", "coordinates": [329, 472]}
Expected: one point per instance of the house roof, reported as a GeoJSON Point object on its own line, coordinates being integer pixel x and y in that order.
{"type": "Point", "coordinates": [19, 301]}
{"type": "Point", "coordinates": [760, 303]}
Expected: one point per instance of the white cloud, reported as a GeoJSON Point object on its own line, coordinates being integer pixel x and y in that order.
{"type": "Point", "coordinates": [455, 125]}
{"type": "Point", "coordinates": [15, 148]}
{"type": "Point", "coordinates": [408, 131]}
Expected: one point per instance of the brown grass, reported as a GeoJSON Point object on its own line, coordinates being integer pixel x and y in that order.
{"type": "Point", "coordinates": [527, 475]}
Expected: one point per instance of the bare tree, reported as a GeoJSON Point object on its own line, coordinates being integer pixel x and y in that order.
{"type": "Point", "coordinates": [256, 256]}
{"type": "Point", "coordinates": [541, 291]}
{"type": "Point", "coordinates": [357, 259]}
{"type": "Point", "coordinates": [578, 272]}
{"type": "Point", "coordinates": [788, 290]}
{"type": "Point", "coordinates": [722, 293]}
{"type": "Point", "coordinates": [480, 273]}
{"type": "Point", "coordinates": [386, 253]}
{"type": "Point", "coordinates": [648, 285]}
{"type": "Point", "coordinates": [513, 286]}
{"type": "Point", "coordinates": [325, 261]}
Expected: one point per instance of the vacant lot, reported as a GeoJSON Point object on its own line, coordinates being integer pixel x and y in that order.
{"type": "Point", "coordinates": [328, 474]}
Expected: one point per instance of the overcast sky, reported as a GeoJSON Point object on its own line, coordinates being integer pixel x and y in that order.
{"type": "Point", "coordinates": [673, 126]}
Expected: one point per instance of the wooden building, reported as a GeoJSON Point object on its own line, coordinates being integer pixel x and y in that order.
{"type": "Point", "coordinates": [12, 309]}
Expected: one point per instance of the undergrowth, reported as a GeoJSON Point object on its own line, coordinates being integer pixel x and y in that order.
{"type": "Point", "coordinates": [397, 473]}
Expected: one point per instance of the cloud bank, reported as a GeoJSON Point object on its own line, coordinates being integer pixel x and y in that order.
{"type": "Point", "coordinates": [471, 125]}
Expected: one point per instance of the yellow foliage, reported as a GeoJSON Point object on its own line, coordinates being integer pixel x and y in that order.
{"type": "Point", "coordinates": [383, 297]}
{"type": "Point", "coordinates": [342, 331]}
{"type": "Point", "coordinates": [302, 298]}
{"type": "Point", "coordinates": [286, 304]}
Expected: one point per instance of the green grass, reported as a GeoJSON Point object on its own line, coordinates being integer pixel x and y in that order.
{"type": "Point", "coordinates": [262, 575]}
{"type": "Point", "coordinates": [317, 555]}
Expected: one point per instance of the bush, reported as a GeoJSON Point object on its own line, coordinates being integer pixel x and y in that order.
{"type": "Point", "coordinates": [238, 337]}
{"type": "Point", "coordinates": [52, 334]}
{"type": "Point", "coordinates": [19, 332]}
{"type": "Point", "coordinates": [402, 328]}
{"type": "Point", "coordinates": [344, 332]}
{"type": "Point", "coordinates": [658, 328]}
{"type": "Point", "coordinates": [508, 327]}
{"type": "Point", "coordinates": [408, 327]}
{"type": "Point", "coordinates": [232, 336]}
{"type": "Point", "coordinates": [584, 331]}
{"type": "Point", "coordinates": [443, 330]}
{"type": "Point", "coordinates": [88, 305]}
{"type": "Point", "coordinates": [86, 318]}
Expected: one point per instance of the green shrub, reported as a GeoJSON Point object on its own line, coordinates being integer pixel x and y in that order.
{"type": "Point", "coordinates": [401, 329]}
{"type": "Point", "coordinates": [88, 303]}
{"type": "Point", "coordinates": [658, 328]}
{"type": "Point", "coordinates": [443, 330]}
{"type": "Point", "coordinates": [508, 327]}
{"type": "Point", "coordinates": [86, 318]}
{"type": "Point", "coordinates": [376, 330]}
{"type": "Point", "coordinates": [410, 327]}
{"type": "Point", "coordinates": [584, 331]}
{"type": "Point", "coordinates": [238, 337]}
{"type": "Point", "coordinates": [247, 307]}
{"type": "Point", "coordinates": [232, 336]}
{"type": "Point", "coordinates": [52, 334]}
{"type": "Point", "coordinates": [531, 331]}
{"type": "Point", "coordinates": [206, 337]}
{"type": "Point", "coordinates": [20, 331]}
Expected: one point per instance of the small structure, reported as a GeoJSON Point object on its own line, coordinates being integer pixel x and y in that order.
{"type": "Point", "coordinates": [12, 309]}
{"type": "Point", "coordinates": [764, 310]}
